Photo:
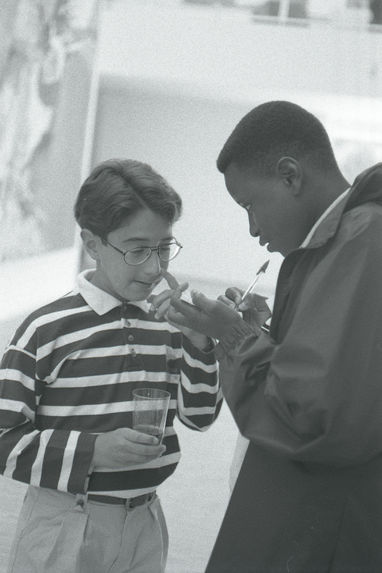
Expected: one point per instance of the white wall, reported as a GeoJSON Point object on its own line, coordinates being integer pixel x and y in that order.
{"type": "Point", "coordinates": [180, 132]}
{"type": "Point", "coordinates": [175, 80]}
{"type": "Point", "coordinates": [227, 49]}
{"type": "Point", "coordinates": [181, 136]}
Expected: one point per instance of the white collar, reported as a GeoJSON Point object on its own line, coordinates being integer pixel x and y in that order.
{"type": "Point", "coordinates": [322, 217]}
{"type": "Point", "coordinates": [99, 300]}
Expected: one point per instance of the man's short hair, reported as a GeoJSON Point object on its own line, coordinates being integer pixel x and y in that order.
{"type": "Point", "coordinates": [275, 129]}
{"type": "Point", "coordinates": [117, 189]}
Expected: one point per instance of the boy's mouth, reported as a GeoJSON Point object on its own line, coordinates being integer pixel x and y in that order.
{"type": "Point", "coordinates": [150, 284]}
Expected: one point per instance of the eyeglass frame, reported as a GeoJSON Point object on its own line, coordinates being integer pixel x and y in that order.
{"type": "Point", "coordinates": [123, 253]}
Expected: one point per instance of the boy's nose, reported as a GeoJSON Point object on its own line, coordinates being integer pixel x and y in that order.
{"type": "Point", "coordinates": [153, 264]}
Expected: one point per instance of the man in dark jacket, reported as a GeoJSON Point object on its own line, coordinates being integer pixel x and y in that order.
{"type": "Point", "coordinates": [307, 394]}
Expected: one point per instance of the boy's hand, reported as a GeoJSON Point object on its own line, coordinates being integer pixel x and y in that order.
{"type": "Point", "coordinates": [210, 317]}
{"type": "Point", "coordinates": [162, 302]}
{"type": "Point", "coordinates": [123, 447]}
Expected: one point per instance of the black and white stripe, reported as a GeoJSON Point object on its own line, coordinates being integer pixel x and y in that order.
{"type": "Point", "coordinates": [68, 375]}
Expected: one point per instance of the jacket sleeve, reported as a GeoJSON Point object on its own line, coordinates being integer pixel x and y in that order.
{"type": "Point", "coordinates": [199, 393]}
{"type": "Point", "coordinates": [53, 458]}
{"type": "Point", "coordinates": [317, 396]}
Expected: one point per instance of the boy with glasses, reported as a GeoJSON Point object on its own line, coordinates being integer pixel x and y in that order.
{"type": "Point", "coordinates": [67, 382]}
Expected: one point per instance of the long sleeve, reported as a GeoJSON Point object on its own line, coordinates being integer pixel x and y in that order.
{"type": "Point", "coordinates": [54, 458]}
{"type": "Point", "coordinates": [199, 394]}
{"type": "Point", "coordinates": [316, 396]}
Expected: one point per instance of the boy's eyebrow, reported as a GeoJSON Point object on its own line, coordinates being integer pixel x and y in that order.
{"type": "Point", "coordinates": [146, 239]}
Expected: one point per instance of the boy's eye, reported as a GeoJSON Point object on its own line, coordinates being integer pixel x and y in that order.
{"type": "Point", "coordinates": [138, 250]}
{"type": "Point", "coordinates": [137, 256]}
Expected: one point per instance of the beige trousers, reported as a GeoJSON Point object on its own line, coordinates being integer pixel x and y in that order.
{"type": "Point", "coordinates": [56, 534]}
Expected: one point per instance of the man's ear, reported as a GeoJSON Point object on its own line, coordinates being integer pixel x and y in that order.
{"type": "Point", "coordinates": [289, 171]}
{"type": "Point", "coordinates": [91, 243]}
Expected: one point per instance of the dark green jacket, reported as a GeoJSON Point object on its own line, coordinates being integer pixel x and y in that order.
{"type": "Point", "coordinates": [308, 498]}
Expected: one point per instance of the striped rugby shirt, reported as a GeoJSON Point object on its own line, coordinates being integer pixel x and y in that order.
{"type": "Point", "coordinates": [68, 375]}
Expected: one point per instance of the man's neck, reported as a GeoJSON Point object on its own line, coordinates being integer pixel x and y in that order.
{"type": "Point", "coordinates": [325, 191]}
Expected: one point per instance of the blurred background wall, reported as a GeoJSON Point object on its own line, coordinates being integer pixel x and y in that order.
{"type": "Point", "coordinates": [176, 77]}
{"type": "Point", "coordinates": [164, 81]}
{"type": "Point", "coordinates": [47, 75]}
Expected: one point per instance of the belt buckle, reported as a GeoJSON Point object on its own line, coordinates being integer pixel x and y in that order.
{"type": "Point", "coordinates": [133, 502]}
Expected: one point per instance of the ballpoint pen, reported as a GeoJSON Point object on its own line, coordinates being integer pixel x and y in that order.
{"type": "Point", "coordinates": [250, 288]}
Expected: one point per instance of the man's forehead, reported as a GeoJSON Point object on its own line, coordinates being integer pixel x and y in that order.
{"type": "Point", "coordinates": [239, 182]}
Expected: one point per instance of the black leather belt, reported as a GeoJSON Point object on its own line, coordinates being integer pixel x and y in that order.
{"type": "Point", "coordinates": [130, 503]}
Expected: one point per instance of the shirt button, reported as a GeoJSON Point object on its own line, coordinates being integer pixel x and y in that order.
{"type": "Point", "coordinates": [127, 323]}
{"type": "Point", "coordinates": [130, 338]}
{"type": "Point", "coordinates": [133, 353]}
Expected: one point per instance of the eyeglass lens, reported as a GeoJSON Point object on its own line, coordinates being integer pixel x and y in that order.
{"type": "Point", "coordinates": [165, 253]}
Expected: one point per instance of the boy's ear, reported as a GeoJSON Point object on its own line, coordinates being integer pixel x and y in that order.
{"type": "Point", "coordinates": [91, 243]}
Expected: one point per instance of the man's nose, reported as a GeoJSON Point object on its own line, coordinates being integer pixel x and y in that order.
{"type": "Point", "coordinates": [253, 227]}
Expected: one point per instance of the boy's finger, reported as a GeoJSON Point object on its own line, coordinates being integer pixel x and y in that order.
{"type": "Point", "coordinates": [182, 287]}
{"type": "Point", "coordinates": [145, 452]}
{"type": "Point", "coordinates": [176, 318]}
{"type": "Point", "coordinates": [138, 437]}
{"type": "Point", "coordinates": [157, 299]}
{"type": "Point", "coordinates": [183, 307]}
{"type": "Point", "coordinates": [177, 293]}
{"type": "Point", "coordinates": [162, 309]}
{"type": "Point", "coordinates": [171, 280]}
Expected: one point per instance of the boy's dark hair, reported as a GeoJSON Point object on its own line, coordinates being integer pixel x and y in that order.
{"type": "Point", "coordinates": [273, 130]}
{"type": "Point", "coordinates": [119, 188]}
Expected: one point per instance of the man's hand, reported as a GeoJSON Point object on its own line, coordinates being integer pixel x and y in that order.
{"type": "Point", "coordinates": [254, 308]}
{"type": "Point", "coordinates": [124, 447]}
{"type": "Point", "coordinates": [161, 303]}
{"type": "Point", "coordinates": [210, 317]}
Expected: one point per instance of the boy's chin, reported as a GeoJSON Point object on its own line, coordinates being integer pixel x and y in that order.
{"type": "Point", "coordinates": [139, 293]}
{"type": "Point", "coordinates": [137, 298]}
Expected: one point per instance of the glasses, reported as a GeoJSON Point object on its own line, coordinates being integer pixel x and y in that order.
{"type": "Point", "coordinates": [140, 255]}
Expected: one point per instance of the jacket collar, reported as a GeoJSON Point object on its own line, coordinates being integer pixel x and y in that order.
{"type": "Point", "coordinates": [322, 218]}
{"type": "Point", "coordinates": [366, 188]}
{"type": "Point", "coordinates": [99, 300]}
